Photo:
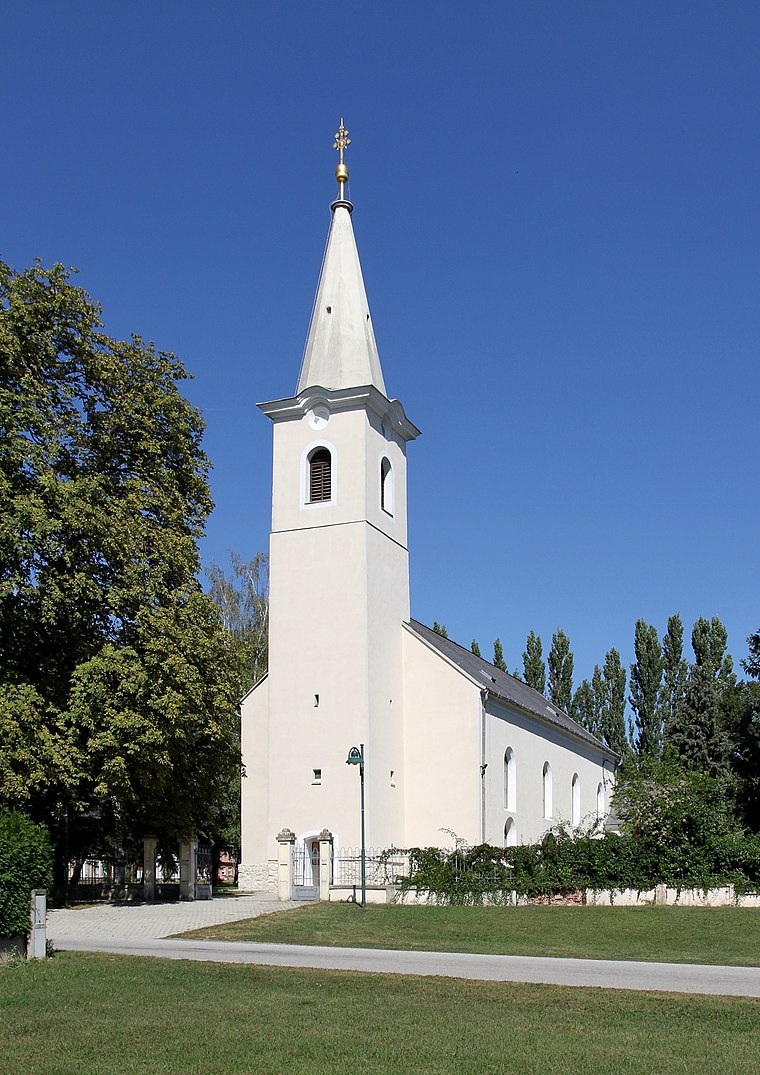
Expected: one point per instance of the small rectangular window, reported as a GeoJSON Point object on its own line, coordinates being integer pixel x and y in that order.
{"type": "Point", "coordinates": [393, 778]}
{"type": "Point", "coordinates": [317, 778]}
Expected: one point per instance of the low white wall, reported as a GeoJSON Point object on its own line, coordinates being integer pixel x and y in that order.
{"type": "Point", "coordinates": [353, 894]}
{"type": "Point", "coordinates": [663, 896]}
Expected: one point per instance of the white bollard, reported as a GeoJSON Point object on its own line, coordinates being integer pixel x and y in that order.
{"type": "Point", "coordinates": [38, 932]}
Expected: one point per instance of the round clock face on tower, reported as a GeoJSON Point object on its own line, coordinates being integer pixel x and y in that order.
{"type": "Point", "coordinates": [319, 417]}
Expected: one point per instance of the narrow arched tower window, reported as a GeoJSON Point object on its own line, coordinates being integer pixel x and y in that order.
{"type": "Point", "coordinates": [320, 476]}
{"type": "Point", "coordinates": [386, 486]}
{"type": "Point", "coordinates": [510, 834]}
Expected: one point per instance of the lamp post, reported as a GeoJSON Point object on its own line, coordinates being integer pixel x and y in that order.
{"type": "Point", "coordinates": [356, 757]}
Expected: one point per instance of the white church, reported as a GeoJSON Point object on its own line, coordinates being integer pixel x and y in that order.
{"type": "Point", "coordinates": [449, 741]}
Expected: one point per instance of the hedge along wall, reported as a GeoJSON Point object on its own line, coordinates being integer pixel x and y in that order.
{"type": "Point", "coordinates": [25, 863]}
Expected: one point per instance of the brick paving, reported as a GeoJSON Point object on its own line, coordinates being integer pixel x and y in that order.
{"type": "Point", "coordinates": [146, 921]}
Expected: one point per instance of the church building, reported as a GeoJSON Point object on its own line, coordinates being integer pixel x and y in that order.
{"type": "Point", "coordinates": [449, 741]}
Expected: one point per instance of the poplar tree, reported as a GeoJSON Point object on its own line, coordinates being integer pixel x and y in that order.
{"type": "Point", "coordinates": [498, 656]}
{"type": "Point", "coordinates": [675, 672]}
{"type": "Point", "coordinates": [585, 706]}
{"type": "Point", "coordinates": [612, 716]}
{"type": "Point", "coordinates": [533, 663]}
{"type": "Point", "coordinates": [646, 676]}
{"type": "Point", "coordinates": [561, 671]}
{"type": "Point", "coordinates": [475, 647]}
{"type": "Point", "coordinates": [440, 629]}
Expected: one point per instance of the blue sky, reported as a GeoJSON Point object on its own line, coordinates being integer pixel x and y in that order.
{"type": "Point", "coordinates": [557, 212]}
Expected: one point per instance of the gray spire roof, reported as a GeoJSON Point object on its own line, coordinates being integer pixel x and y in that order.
{"type": "Point", "coordinates": [340, 347]}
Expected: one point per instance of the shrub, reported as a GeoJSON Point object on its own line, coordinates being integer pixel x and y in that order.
{"type": "Point", "coordinates": [25, 863]}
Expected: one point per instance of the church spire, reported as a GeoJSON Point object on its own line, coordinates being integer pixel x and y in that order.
{"type": "Point", "coordinates": [340, 347]}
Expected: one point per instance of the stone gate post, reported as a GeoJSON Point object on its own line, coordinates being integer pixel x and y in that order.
{"type": "Point", "coordinates": [188, 868]}
{"type": "Point", "coordinates": [325, 863]}
{"type": "Point", "coordinates": [285, 841]}
{"type": "Point", "coordinates": [150, 846]}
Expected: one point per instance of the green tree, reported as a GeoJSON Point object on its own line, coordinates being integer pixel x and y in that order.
{"type": "Point", "coordinates": [585, 706]}
{"type": "Point", "coordinates": [475, 648]}
{"type": "Point", "coordinates": [745, 755]}
{"type": "Point", "coordinates": [533, 663]}
{"type": "Point", "coordinates": [751, 663]}
{"type": "Point", "coordinates": [498, 656]}
{"type": "Point", "coordinates": [709, 640]}
{"type": "Point", "coordinates": [612, 709]}
{"type": "Point", "coordinates": [675, 672]}
{"type": "Point", "coordinates": [561, 671]}
{"type": "Point", "coordinates": [681, 822]}
{"type": "Point", "coordinates": [243, 603]}
{"type": "Point", "coordinates": [695, 729]}
{"type": "Point", "coordinates": [646, 676]}
{"type": "Point", "coordinates": [112, 660]}
{"type": "Point", "coordinates": [440, 629]}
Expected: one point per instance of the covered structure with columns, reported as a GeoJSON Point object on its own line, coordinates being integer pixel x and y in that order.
{"type": "Point", "coordinates": [449, 741]}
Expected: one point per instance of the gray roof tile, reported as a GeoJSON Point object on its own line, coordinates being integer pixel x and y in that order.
{"type": "Point", "coordinates": [506, 687]}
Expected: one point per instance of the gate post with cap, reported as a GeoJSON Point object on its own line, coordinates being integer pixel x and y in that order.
{"type": "Point", "coordinates": [285, 841]}
{"type": "Point", "coordinates": [325, 863]}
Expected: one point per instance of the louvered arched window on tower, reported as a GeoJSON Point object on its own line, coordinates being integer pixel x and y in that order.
{"type": "Point", "coordinates": [320, 476]}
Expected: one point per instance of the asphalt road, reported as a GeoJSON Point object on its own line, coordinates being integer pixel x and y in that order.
{"type": "Point", "coordinates": [603, 973]}
{"type": "Point", "coordinates": [144, 930]}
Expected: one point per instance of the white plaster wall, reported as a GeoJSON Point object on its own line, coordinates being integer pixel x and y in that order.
{"type": "Point", "coordinates": [254, 719]}
{"type": "Point", "coordinates": [535, 742]}
{"type": "Point", "coordinates": [442, 724]}
{"type": "Point", "coordinates": [339, 591]}
{"type": "Point", "coordinates": [356, 442]}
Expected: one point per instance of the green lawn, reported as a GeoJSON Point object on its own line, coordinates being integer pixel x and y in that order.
{"type": "Point", "coordinates": [727, 935]}
{"type": "Point", "coordinates": [99, 1014]}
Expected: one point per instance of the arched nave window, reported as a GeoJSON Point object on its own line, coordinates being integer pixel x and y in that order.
{"type": "Point", "coordinates": [510, 791]}
{"type": "Point", "coordinates": [510, 833]}
{"type": "Point", "coordinates": [575, 800]}
{"type": "Point", "coordinates": [601, 807]}
{"type": "Point", "coordinates": [547, 790]}
{"type": "Point", "coordinates": [320, 476]}
{"type": "Point", "coordinates": [386, 485]}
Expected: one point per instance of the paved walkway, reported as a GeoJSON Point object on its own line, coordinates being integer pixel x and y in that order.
{"type": "Point", "coordinates": [143, 921]}
{"type": "Point", "coordinates": [143, 930]}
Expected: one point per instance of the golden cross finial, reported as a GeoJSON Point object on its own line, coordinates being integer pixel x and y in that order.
{"type": "Point", "coordinates": [341, 141]}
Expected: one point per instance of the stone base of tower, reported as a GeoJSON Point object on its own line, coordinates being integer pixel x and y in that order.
{"type": "Point", "coordinates": [258, 876]}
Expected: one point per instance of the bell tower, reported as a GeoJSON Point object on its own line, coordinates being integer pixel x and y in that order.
{"type": "Point", "coordinates": [339, 578]}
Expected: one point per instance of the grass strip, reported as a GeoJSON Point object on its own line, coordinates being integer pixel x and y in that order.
{"type": "Point", "coordinates": [721, 935]}
{"type": "Point", "coordinates": [100, 1014]}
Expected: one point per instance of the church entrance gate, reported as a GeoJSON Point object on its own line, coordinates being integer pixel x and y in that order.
{"type": "Point", "coordinates": [305, 871]}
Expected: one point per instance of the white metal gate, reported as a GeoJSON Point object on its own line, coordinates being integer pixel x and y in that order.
{"type": "Point", "coordinates": [305, 871]}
